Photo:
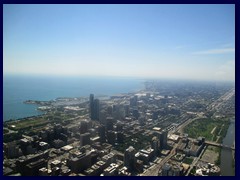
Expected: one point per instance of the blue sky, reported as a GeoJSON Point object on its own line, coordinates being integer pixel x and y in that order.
{"type": "Point", "coordinates": [159, 41]}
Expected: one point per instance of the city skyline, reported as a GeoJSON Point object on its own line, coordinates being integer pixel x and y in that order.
{"type": "Point", "coordinates": [150, 41]}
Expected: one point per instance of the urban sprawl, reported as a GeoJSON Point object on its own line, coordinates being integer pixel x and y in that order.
{"type": "Point", "coordinates": [167, 129]}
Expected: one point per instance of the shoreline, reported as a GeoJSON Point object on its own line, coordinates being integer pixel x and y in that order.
{"type": "Point", "coordinates": [61, 101]}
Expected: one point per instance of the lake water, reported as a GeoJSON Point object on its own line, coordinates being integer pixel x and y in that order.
{"type": "Point", "coordinates": [17, 89]}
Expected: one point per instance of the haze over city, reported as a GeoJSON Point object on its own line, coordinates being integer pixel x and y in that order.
{"type": "Point", "coordinates": [151, 41]}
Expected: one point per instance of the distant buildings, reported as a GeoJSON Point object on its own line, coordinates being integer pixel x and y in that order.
{"type": "Point", "coordinates": [124, 138]}
{"type": "Point", "coordinates": [133, 101]}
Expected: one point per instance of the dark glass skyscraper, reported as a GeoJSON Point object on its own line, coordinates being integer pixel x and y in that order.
{"type": "Point", "coordinates": [96, 109]}
{"type": "Point", "coordinates": [93, 108]}
{"type": "Point", "coordinates": [163, 139]}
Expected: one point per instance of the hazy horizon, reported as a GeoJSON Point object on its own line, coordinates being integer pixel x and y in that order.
{"type": "Point", "coordinates": [101, 77]}
{"type": "Point", "coordinates": [192, 42]}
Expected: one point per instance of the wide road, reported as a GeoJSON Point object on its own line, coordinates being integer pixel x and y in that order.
{"type": "Point", "coordinates": [220, 101]}
{"type": "Point", "coordinates": [216, 104]}
{"type": "Point", "coordinates": [183, 125]}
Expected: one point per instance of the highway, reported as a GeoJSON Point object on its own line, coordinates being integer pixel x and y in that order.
{"type": "Point", "coordinates": [220, 101]}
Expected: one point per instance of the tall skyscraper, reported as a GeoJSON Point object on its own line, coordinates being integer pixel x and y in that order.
{"type": "Point", "coordinates": [83, 127]}
{"type": "Point", "coordinates": [91, 106]}
{"type": "Point", "coordinates": [109, 123]}
{"type": "Point", "coordinates": [129, 158]}
{"type": "Point", "coordinates": [155, 144]}
{"type": "Point", "coordinates": [101, 133]}
{"type": "Point", "coordinates": [163, 139]}
{"type": "Point", "coordinates": [96, 109]}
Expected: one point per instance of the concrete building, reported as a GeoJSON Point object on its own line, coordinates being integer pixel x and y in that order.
{"type": "Point", "coordinates": [109, 123]}
{"type": "Point", "coordinates": [102, 116]}
{"type": "Point", "coordinates": [80, 163]}
{"type": "Point", "coordinates": [24, 144]}
{"type": "Point", "coordinates": [85, 139]}
{"type": "Point", "coordinates": [172, 169]}
{"type": "Point", "coordinates": [101, 133]}
{"type": "Point", "coordinates": [111, 137]}
{"type": "Point", "coordinates": [84, 126]}
{"type": "Point", "coordinates": [32, 169]}
{"type": "Point", "coordinates": [22, 163]}
{"type": "Point", "coordinates": [112, 170]}
{"type": "Point", "coordinates": [12, 150]}
{"type": "Point", "coordinates": [109, 158]}
{"type": "Point", "coordinates": [155, 145]}
{"type": "Point", "coordinates": [149, 152]}
{"type": "Point", "coordinates": [143, 157]}
{"type": "Point", "coordinates": [129, 158]}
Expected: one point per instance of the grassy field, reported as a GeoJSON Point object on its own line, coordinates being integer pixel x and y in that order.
{"type": "Point", "coordinates": [24, 124]}
{"type": "Point", "coordinates": [205, 127]}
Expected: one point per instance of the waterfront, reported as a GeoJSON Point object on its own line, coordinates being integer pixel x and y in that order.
{"type": "Point", "coordinates": [17, 89]}
{"type": "Point", "coordinates": [226, 154]}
